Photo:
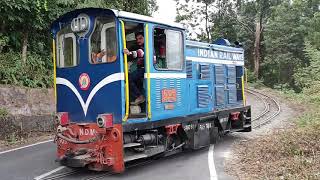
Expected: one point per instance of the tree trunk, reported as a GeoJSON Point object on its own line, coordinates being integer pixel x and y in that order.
{"type": "Point", "coordinates": [207, 26]}
{"type": "Point", "coordinates": [256, 51]}
{"type": "Point", "coordinates": [24, 46]}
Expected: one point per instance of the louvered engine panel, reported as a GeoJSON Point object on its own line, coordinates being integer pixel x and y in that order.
{"type": "Point", "coordinates": [204, 71]}
{"type": "Point", "coordinates": [203, 96]}
{"type": "Point", "coordinates": [231, 74]}
{"type": "Point", "coordinates": [189, 69]}
{"type": "Point", "coordinates": [219, 74]}
{"type": "Point", "coordinates": [232, 94]}
{"type": "Point", "coordinates": [219, 95]}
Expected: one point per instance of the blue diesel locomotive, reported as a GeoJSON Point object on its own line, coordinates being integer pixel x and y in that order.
{"type": "Point", "coordinates": [190, 92]}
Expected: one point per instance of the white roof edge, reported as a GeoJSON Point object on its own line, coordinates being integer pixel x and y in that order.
{"type": "Point", "coordinates": [129, 15]}
{"type": "Point", "coordinates": [215, 46]}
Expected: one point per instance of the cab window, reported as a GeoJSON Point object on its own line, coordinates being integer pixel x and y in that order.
{"type": "Point", "coordinates": [66, 48]}
{"type": "Point", "coordinates": [168, 46]}
{"type": "Point", "coordinates": [103, 43]}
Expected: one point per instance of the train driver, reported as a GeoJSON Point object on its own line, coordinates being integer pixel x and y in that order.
{"type": "Point", "coordinates": [136, 53]}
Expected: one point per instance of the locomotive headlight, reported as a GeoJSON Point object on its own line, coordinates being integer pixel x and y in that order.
{"type": "Point", "coordinates": [62, 118]}
{"type": "Point", "coordinates": [80, 23]}
{"type": "Point", "coordinates": [105, 120]}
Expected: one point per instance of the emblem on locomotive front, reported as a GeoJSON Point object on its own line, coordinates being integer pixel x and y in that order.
{"type": "Point", "coordinates": [84, 81]}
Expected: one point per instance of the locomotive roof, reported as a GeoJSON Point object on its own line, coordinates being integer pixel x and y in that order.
{"type": "Point", "coordinates": [120, 14]}
{"type": "Point", "coordinates": [214, 46]}
{"type": "Point", "coordinates": [129, 15]}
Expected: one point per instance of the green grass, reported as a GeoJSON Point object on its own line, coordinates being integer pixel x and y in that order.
{"type": "Point", "coordinates": [287, 154]}
{"type": "Point", "coordinates": [3, 113]}
{"type": "Point", "coordinates": [309, 99]}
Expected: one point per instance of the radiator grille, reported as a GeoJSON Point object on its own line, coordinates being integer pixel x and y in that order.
{"type": "Point", "coordinates": [219, 95]}
{"type": "Point", "coordinates": [232, 94]}
{"type": "Point", "coordinates": [189, 69]}
{"type": "Point", "coordinates": [231, 74]}
{"type": "Point", "coordinates": [203, 96]}
{"type": "Point", "coordinates": [204, 71]}
{"type": "Point", "coordinates": [219, 72]}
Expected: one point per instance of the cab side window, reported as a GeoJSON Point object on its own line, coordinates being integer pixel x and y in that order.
{"type": "Point", "coordinates": [104, 41]}
{"type": "Point", "coordinates": [66, 48]}
{"type": "Point", "coordinates": [168, 49]}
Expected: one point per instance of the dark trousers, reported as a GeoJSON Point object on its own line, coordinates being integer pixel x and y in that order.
{"type": "Point", "coordinates": [134, 78]}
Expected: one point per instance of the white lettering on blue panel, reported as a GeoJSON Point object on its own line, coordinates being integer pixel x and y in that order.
{"type": "Point", "coordinates": [208, 53]}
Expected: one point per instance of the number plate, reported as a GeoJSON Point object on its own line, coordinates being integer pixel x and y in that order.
{"type": "Point", "coordinates": [169, 95]}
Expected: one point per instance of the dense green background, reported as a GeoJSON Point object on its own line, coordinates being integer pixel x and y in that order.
{"type": "Point", "coordinates": [281, 37]}
{"type": "Point", "coordinates": [25, 40]}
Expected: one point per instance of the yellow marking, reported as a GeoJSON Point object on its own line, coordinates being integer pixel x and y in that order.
{"type": "Point", "coordinates": [54, 68]}
{"type": "Point", "coordinates": [243, 96]}
{"type": "Point", "coordinates": [148, 70]}
{"type": "Point", "coordinates": [125, 72]}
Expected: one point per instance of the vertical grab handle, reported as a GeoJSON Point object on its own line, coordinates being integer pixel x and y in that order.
{"type": "Point", "coordinates": [243, 79]}
{"type": "Point", "coordinates": [147, 58]}
{"type": "Point", "coordinates": [126, 72]}
{"type": "Point", "coordinates": [54, 69]}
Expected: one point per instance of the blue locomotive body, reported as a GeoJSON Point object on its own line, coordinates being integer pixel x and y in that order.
{"type": "Point", "coordinates": [193, 90]}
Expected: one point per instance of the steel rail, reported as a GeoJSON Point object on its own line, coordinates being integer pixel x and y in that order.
{"type": "Point", "coordinates": [95, 177]}
{"type": "Point", "coordinates": [266, 105]}
{"type": "Point", "coordinates": [267, 108]}
{"type": "Point", "coordinates": [60, 175]}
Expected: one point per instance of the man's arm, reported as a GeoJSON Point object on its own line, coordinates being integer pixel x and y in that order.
{"type": "Point", "coordinates": [134, 54]}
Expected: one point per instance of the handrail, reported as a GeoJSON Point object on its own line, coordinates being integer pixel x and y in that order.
{"type": "Point", "coordinates": [54, 69]}
{"type": "Point", "coordinates": [148, 70]}
{"type": "Point", "coordinates": [125, 72]}
{"type": "Point", "coordinates": [243, 95]}
{"type": "Point", "coordinates": [244, 83]}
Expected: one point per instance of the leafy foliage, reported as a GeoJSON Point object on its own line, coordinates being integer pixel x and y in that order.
{"type": "Point", "coordinates": [25, 41]}
{"type": "Point", "coordinates": [36, 72]}
{"type": "Point", "coordinates": [3, 113]}
{"type": "Point", "coordinates": [289, 35]}
{"type": "Point", "coordinates": [310, 75]}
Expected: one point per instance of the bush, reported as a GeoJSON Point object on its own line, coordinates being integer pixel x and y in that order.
{"type": "Point", "coordinates": [250, 76]}
{"type": "Point", "coordinates": [36, 72]}
{"type": "Point", "coordinates": [3, 113]}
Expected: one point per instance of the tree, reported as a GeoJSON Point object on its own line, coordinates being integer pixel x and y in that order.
{"type": "Point", "coordinates": [25, 39]}
{"type": "Point", "coordinates": [207, 19]}
{"type": "Point", "coordinates": [285, 35]}
{"type": "Point", "coordinates": [307, 76]}
{"type": "Point", "coordinates": [253, 18]}
{"type": "Point", "coordinates": [27, 21]}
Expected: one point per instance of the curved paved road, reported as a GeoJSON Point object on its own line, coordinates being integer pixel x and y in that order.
{"type": "Point", "coordinates": [31, 162]}
{"type": "Point", "coordinates": [28, 163]}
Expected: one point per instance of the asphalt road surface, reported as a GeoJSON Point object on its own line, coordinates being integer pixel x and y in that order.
{"type": "Point", "coordinates": [31, 162]}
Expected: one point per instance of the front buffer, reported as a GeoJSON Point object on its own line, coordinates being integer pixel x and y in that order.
{"type": "Point", "coordinates": [88, 145]}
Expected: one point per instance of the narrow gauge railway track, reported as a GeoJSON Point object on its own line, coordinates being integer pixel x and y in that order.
{"type": "Point", "coordinates": [272, 109]}
{"type": "Point", "coordinates": [59, 175]}
{"type": "Point", "coordinates": [92, 177]}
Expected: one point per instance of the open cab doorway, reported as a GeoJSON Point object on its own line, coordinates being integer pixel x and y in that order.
{"type": "Point", "coordinates": [136, 57]}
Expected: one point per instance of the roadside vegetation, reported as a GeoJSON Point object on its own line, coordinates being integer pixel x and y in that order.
{"type": "Point", "coordinates": [291, 153]}
{"type": "Point", "coordinates": [9, 133]}
{"type": "Point", "coordinates": [282, 51]}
